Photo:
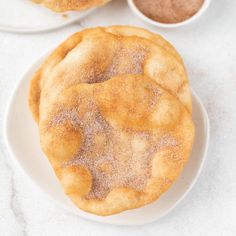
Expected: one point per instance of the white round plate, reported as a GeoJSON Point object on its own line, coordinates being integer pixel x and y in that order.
{"type": "Point", "coordinates": [24, 16]}
{"type": "Point", "coordinates": [22, 139]}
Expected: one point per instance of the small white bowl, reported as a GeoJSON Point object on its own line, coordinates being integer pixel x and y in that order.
{"type": "Point", "coordinates": [200, 12]}
{"type": "Point", "coordinates": [22, 140]}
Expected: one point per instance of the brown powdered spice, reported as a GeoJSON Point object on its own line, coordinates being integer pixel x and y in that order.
{"type": "Point", "coordinates": [115, 158]}
{"type": "Point", "coordinates": [133, 64]}
{"type": "Point", "coordinates": [169, 11]}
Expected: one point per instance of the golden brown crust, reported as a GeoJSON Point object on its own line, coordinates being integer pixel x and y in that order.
{"type": "Point", "coordinates": [70, 5]}
{"type": "Point", "coordinates": [143, 33]}
{"type": "Point", "coordinates": [114, 112]}
{"type": "Point", "coordinates": [55, 57]}
{"type": "Point", "coordinates": [98, 49]}
{"type": "Point", "coordinates": [135, 108]}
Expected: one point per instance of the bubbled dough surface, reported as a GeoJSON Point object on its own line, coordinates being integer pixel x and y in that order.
{"type": "Point", "coordinates": [131, 122]}
{"type": "Point", "coordinates": [95, 55]}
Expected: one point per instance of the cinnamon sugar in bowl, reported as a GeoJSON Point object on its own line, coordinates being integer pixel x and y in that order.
{"type": "Point", "coordinates": [168, 13]}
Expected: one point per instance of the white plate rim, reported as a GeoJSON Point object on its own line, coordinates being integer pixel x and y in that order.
{"type": "Point", "coordinates": [102, 219]}
{"type": "Point", "coordinates": [50, 27]}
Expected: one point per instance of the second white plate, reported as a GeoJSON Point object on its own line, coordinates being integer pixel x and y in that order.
{"type": "Point", "coordinates": [27, 17]}
{"type": "Point", "coordinates": [22, 139]}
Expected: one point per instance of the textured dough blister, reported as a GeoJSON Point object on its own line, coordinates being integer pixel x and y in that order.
{"type": "Point", "coordinates": [114, 112]}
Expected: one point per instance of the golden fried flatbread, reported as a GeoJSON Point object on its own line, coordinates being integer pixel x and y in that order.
{"type": "Point", "coordinates": [117, 144]}
{"type": "Point", "coordinates": [69, 5]}
{"type": "Point", "coordinates": [96, 55]}
{"type": "Point", "coordinates": [127, 31]}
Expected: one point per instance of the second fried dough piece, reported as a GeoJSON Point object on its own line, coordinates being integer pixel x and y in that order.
{"type": "Point", "coordinates": [69, 5]}
{"type": "Point", "coordinates": [95, 55]}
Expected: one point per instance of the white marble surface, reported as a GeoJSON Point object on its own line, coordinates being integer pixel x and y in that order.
{"type": "Point", "coordinates": [209, 50]}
